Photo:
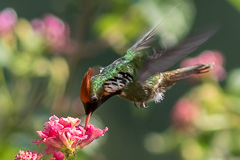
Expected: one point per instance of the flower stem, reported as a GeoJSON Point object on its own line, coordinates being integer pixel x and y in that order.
{"type": "Point", "coordinates": [70, 155]}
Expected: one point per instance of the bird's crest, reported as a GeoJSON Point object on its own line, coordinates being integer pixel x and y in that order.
{"type": "Point", "coordinates": [85, 94]}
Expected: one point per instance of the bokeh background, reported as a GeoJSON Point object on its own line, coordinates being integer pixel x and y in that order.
{"type": "Point", "coordinates": [47, 46]}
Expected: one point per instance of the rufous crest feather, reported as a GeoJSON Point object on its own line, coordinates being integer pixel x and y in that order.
{"type": "Point", "coordinates": [85, 94]}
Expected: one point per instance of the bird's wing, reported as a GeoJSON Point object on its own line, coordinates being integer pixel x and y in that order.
{"type": "Point", "coordinates": [146, 41]}
{"type": "Point", "coordinates": [116, 84]}
{"type": "Point", "coordinates": [149, 42]}
{"type": "Point", "coordinates": [164, 59]}
{"type": "Point", "coordinates": [146, 46]}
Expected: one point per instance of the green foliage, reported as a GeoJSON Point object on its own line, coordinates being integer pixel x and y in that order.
{"type": "Point", "coordinates": [235, 3]}
{"type": "Point", "coordinates": [121, 29]}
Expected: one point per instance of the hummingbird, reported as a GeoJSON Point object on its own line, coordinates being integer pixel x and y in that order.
{"type": "Point", "coordinates": [140, 75]}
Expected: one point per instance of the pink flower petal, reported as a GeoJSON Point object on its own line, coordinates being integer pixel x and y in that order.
{"type": "Point", "coordinates": [69, 121]}
{"type": "Point", "coordinates": [92, 135]}
{"type": "Point", "coordinates": [64, 139]}
{"type": "Point", "coordinates": [57, 156]}
{"type": "Point", "coordinates": [55, 143]}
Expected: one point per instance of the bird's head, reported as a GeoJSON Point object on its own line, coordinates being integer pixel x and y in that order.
{"type": "Point", "coordinates": [90, 103]}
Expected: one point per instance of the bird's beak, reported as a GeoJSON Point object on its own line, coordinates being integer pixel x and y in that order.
{"type": "Point", "coordinates": [87, 120]}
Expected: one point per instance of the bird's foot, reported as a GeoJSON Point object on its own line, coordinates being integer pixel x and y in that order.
{"type": "Point", "coordinates": [143, 105]}
{"type": "Point", "coordinates": [135, 104]}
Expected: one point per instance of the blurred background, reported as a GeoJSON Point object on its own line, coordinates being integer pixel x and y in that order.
{"type": "Point", "coordinates": [47, 46]}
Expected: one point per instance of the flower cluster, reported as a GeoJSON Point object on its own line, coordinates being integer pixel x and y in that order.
{"type": "Point", "coordinates": [31, 155]}
{"type": "Point", "coordinates": [8, 19]}
{"type": "Point", "coordinates": [28, 155]}
{"type": "Point", "coordinates": [67, 135]}
{"type": "Point", "coordinates": [218, 72]}
{"type": "Point", "coordinates": [55, 32]}
{"type": "Point", "coordinates": [63, 138]}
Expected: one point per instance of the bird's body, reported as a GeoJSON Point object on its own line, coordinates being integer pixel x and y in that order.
{"type": "Point", "coordinates": [139, 75]}
{"type": "Point", "coordinates": [120, 78]}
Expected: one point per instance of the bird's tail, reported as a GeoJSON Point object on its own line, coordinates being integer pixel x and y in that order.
{"type": "Point", "coordinates": [186, 72]}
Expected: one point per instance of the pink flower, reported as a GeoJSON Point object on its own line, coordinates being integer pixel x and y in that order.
{"type": "Point", "coordinates": [92, 135]}
{"type": "Point", "coordinates": [55, 32]}
{"type": "Point", "coordinates": [38, 26]}
{"type": "Point", "coordinates": [57, 156]}
{"type": "Point", "coordinates": [8, 19]}
{"type": "Point", "coordinates": [55, 27]}
{"type": "Point", "coordinates": [28, 155]}
{"type": "Point", "coordinates": [183, 114]}
{"type": "Point", "coordinates": [218, 72]}
{"type": "Point", "coordinates": [67, 135]}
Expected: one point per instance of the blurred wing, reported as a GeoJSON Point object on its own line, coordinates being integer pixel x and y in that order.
{"type": "Point", "coordinates": [165, 59]}
{"type": "Point", "coordinates": [145, 42]}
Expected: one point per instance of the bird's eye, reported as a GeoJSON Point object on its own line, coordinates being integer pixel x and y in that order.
{"type": "Point", "coordinates": [94, 98]}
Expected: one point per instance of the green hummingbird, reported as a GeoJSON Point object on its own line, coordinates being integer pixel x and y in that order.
{"type": "Point", "coordinates": [139, 75]}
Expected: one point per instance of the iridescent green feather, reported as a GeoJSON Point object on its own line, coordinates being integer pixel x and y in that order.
{"type": "Point", "coordinates": [109, 72]}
